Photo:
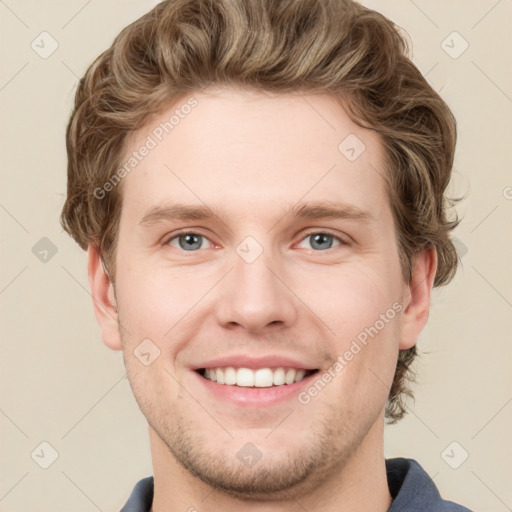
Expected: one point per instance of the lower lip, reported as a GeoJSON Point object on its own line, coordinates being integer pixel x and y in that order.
{"type": "Point", "coordinates": [252, 396]}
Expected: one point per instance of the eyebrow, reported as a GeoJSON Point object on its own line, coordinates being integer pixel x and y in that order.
{"type": "Point", "coordinates": [303, 210]}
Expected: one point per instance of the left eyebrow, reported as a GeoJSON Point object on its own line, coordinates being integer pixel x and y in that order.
{"type": "Point", "coordinates": [304, 210]}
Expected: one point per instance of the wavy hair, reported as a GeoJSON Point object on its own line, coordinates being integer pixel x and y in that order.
{"type": "Point", "coordinates": [336, 47]}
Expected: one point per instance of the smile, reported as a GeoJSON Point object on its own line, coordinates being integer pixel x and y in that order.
{"type": "Point", "coordinates": [260, 378]}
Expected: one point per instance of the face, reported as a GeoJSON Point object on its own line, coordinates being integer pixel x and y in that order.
{"type": "Point", "coordinates": [252, 244]}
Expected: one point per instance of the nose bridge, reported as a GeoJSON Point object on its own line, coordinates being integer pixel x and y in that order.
{"type": "Point", "coordinates": [254, 297]}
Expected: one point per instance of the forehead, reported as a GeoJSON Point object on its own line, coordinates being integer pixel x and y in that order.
{"type": "Point", "coordinates": [237, 150]}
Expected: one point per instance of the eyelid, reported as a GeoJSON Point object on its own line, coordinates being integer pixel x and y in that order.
{"type": "Point", "coordinates": [185, 231]}
{"type": "Point", "coordinates": [343, 240]}
{"type": "Point", "coordinates": [312, 231]}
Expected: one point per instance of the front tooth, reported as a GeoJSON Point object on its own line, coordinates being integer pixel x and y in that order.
{"type": "Point", "coordinates": [230, 376]}
{"type": "Point", "coordinates": [300, 375]}
{"type": "Point", "coordinates": [290, 376]}
{"type": "Point", "coordinates": [245, 377]}
{"type": "Point", "coordinates": [263, 378]}
{"type": "Point", "coordinates": [279, 377]}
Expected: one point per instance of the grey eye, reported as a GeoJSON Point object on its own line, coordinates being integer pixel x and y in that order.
{"type": "Point", "coordinates": [321, 241]}
{"type": "Point", "coordinates": [188, 241]}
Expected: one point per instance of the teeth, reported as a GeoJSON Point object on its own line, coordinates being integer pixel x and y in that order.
{"type": "Point", "coordinates": [279, 377]}
{"type": "Point", "coordinates": [244, 377]}
{"type": "Point", "coordinates": [261, 378]}
{"type": "Point", "coordinates": [299, 375]}
{"type": "Point", "coordinates": [230, 376]}
{"type": "Point", "coordinates": [290, 376]}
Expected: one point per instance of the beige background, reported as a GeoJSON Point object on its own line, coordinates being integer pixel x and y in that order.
{"type": "Point", "coordinates": [61, 385]}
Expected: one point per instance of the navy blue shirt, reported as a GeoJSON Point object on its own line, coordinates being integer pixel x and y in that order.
{"type": "Point", "coordinates": [410, 487]}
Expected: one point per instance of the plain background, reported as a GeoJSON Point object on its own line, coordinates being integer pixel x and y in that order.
{"type": "Point", "coordinates": [62, 386]}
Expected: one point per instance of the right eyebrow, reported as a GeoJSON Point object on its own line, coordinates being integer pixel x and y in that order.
{"type": "Point", "coordinates": [304, 210]}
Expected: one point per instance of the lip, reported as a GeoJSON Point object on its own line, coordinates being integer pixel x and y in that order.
{"type": "Point", "coordinates": [255, 363]}
{"type": "Point", "coordinates": [252, 396]}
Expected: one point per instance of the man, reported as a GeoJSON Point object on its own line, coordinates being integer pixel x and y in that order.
{"type": "Point", "coordinates": [260, 188]}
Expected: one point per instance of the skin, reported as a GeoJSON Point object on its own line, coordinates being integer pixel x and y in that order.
{"type": "Point", "coordinates": [252, 156]}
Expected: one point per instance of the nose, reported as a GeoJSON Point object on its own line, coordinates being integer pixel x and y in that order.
{"type": "Point", "coordinates": [255, 297]}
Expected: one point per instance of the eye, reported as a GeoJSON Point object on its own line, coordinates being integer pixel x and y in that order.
{"type": "Point", "coordinates": [321, 241]}
{"type": "Point", "coordinates": [188, 241]}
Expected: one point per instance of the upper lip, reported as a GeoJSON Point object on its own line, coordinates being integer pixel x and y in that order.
{"type": "Point", "coordinates": [254, 363]}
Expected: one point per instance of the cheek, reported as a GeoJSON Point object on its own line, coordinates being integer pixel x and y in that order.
{"type": "Point", "coordinates": [365, 361]}
{"type": "Point", "coordinates": [347, 298]}
{"type": "Point", "coordinates": [154, 300]}
{"type": "Point", "coordinates": [359, 305]}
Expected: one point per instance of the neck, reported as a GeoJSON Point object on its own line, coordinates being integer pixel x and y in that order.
{"type": "Point", "coordinates": [360, 484]}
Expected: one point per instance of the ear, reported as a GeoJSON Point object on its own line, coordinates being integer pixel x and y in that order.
{"type": "Point", "coordinates": [416, 304]}
{"type": "Point", "coordinates": [104, 301]}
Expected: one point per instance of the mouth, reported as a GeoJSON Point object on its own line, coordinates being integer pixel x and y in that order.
{"type": "Point", "coordinates": [258, 378]}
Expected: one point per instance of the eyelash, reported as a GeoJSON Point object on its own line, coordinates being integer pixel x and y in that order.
{"type": "Point", "coordinates": [316, 232]}
{"type": "Point", "coordinates": [167, 240]}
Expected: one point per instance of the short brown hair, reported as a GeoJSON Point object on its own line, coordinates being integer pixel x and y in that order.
{"type": "Point", "coordinates": [330, 46]}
